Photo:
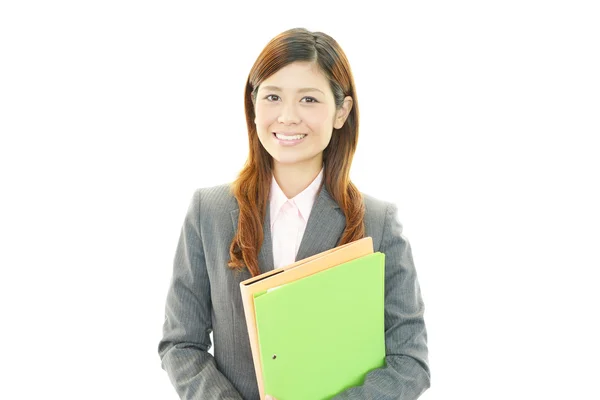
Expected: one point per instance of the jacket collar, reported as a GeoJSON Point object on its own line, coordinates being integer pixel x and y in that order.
{"type": "Point", "coordinates": [324, 229]}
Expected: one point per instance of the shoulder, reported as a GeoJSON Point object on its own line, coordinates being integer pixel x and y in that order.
{"type": "Point", "coordinates": [213, 202]}
{"type": "Point", "coordinates": [216, 196]}
{"type": "Point", "coordinates": [381, 217]}
{"type": "Point", "coordinates": [377, 209]}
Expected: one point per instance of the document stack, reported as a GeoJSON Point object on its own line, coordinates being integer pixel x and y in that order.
{"type": "Point", "coordinates": [316, 327]}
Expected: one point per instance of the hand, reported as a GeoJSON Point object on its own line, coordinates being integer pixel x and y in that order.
{"type": "Point", "coordinates": [268, 397]}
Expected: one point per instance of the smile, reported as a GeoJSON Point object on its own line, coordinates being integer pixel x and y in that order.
{"type": "Point", "coordinates": [289, 137]}
{"type": "Point", "coordinates": [288, 140]}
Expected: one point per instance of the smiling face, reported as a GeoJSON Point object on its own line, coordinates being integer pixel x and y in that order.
{"type": "Point", "coordinates": [297, 100]}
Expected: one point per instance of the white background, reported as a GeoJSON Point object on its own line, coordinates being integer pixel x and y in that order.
{"type": "Point", "coordinates": [479, 120]}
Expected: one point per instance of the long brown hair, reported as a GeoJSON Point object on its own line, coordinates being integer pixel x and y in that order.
{"type": "Point", "coordinates": [251, 188]}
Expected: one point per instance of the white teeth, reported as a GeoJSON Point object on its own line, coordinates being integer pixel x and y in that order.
{"type": "Point", "coordinates": [283, 137]}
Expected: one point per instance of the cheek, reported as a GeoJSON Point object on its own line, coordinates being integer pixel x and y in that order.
{"type": "Point", "coordinates": [317, 117]}
{"type": "Point", "coordinates": [265, 115]}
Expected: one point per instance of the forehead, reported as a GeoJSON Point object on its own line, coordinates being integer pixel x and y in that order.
{"type": "Point", "coordinates": [297, 75]}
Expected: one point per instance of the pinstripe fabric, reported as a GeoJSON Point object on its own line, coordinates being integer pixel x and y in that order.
{"type": "Point", "coordinates": [204, 295]}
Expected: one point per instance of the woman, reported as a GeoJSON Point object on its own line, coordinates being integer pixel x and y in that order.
{"type": "Point", "coordinates": [293, 199]}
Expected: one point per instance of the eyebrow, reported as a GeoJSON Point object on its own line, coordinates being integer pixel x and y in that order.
{"type": "Point", "coordinates": [302, 90]}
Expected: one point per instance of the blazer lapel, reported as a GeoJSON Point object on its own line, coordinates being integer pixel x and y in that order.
{"type": "Point", "coordinates": [324, 229]}
{"type": "Point", "coordinates": [265, 256]}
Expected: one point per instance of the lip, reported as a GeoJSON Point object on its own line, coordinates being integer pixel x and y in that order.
{"type": "Point", "coordinates": [288, 142]}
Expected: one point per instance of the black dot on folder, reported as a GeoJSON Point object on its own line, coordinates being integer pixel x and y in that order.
{"type": "Point", "coordinates": [274, 356]}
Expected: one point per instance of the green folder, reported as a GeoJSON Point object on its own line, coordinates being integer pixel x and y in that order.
{"type": "Point", "coordinates": [322, 334]}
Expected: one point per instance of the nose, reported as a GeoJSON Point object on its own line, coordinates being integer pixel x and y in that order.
{"type": "Point", "coordinates": [289, 115]}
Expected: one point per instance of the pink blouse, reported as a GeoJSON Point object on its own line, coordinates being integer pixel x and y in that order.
{"type": "Point", "coordinates": [288, 220]}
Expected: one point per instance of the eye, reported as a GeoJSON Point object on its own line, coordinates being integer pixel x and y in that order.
{"type": "Point", "coordinates": [271, 95]}
{"type": "Point", "coordinates": [312, 100]}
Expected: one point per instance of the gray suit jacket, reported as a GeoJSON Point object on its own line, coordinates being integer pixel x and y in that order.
{"type": "Point", "coordinates": [204, 296]}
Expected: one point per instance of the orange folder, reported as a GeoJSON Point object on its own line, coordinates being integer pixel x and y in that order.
{"type": "Point", "coordinates": [280, 276]}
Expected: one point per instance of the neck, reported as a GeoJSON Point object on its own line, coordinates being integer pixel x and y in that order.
{"type": "Point", "coordinates": [294, 178]}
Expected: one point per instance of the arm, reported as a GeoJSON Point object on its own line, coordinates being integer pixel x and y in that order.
{"type": "Point", "coordinates": [406, 373]}
{"type": "Point", "coordinates": [188, 323]}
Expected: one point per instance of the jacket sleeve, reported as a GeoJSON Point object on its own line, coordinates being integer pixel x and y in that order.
{"type": "Point", "coordinates": [188, 322]}
{"type": "Point", "coordinates": [406, 373]}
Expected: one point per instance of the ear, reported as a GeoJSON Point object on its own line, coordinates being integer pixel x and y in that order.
{"type": "Point", "coordinates": [342, 113]}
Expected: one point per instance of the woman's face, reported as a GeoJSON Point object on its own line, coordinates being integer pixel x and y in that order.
{"type": "Point", "coordinates": [297, 100]}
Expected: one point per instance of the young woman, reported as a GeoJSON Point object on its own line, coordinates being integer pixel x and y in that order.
{"type": "Point", "coordinates": [292, 199]}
